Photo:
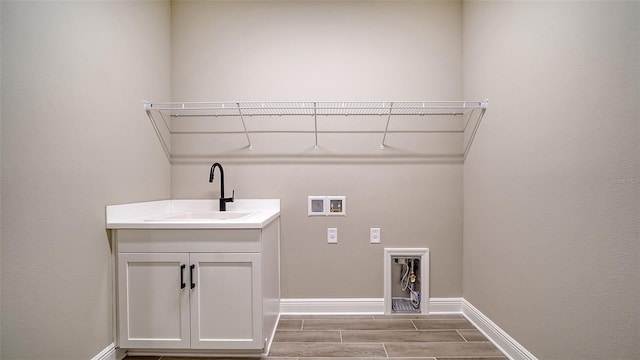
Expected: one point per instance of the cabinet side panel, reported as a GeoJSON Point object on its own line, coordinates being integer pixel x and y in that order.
{"type": "Point", "coordinates": [271, 277]}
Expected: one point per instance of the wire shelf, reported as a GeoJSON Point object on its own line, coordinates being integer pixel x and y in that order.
{"type": "Point", "coordinates": [345, 108]}
{"type": "Point", "coordinates": [244, 109]}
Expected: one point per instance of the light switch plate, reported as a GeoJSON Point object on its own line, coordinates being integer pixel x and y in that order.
{"type": "Point", "coordinates": [332, 235]}
{"type": "Point", "coordinates": [374, 235]}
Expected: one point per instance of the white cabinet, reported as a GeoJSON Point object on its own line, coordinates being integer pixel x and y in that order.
{"type": "Point", "coordinates": [197, 289]}
{"type": "Point", "coordinates": [198, 301]}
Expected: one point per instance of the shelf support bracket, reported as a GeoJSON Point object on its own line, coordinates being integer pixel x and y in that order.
{"type": "Point", "coordinates": [315, 123]}
{"type": "Point", "coordinates": [474, 131]}
{"type": "Point", "coordinates": [246, 133]}
{"type": "Point", "coordinates": [384, 137]}
{"type": "Point", "coordinates": [165, 145]}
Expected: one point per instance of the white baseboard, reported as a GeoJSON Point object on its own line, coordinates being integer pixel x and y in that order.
{"type": "Point", "coordinates": [342, 306]}
{"type": "Point", "coordinates": [355, 306]}
{"type": "Point", "coordinates": [445, 305]}
{"type": "Point", "coordinates": [493, 332]}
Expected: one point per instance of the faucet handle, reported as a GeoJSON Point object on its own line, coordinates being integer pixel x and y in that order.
{"type": "Point", "coordinates": [233, 195]}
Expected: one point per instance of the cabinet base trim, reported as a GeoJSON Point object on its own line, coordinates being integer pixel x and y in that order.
{"type": "Point", "coordinates": [355, 306]}
{"type": "Point", "coordinates": [195, 353]}
{"type": "Point", "coordinates": [110, 353]}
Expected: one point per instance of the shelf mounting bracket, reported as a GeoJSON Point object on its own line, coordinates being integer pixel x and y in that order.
{"type": "Point", "coordinates": [246, 133]}
{"type": "Point", "coordinates": [163, 142]}
{"type": "Point", "coordinates": [384, 137]}
{"type": "Point", "coordinates": [315, 123]}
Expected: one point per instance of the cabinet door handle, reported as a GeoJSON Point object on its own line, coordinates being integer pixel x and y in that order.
{"type": "Point", "coordinates": [193, 285]}
{"type": "Point", "coordinates": [182, 283]}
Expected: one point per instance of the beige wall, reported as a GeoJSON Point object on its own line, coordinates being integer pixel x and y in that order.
{"type": "Point", "coordinates": [74, 139]}
{"type": "Point", "coordinates": [550, 185]}
{"type": "Point", "coordinates": [551, 207]}
{"type": "Point", "coordinates": [329, 51]}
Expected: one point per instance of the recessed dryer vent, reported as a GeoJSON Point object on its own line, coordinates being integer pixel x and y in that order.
{"type": "Point", "coordinates": [406, 288]}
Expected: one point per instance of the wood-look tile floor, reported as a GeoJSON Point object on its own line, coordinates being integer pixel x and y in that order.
{"type": "Point", "coordinates": [360, 337]}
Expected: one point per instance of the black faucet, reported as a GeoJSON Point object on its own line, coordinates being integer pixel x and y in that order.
{"type": "Point", "coordinates": [223, 200]}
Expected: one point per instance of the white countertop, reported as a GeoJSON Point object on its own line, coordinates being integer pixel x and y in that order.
{"type": "Point", "coordinates": [153, 214]}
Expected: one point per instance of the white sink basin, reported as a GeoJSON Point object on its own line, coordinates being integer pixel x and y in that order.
{"type": "Point", "coordinates": [193, 214]}
{"type": "Point", "coordinates": [201, 216]}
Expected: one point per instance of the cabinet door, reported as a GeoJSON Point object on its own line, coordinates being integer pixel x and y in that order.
{"type": "Point", "coordinates": [226, 303]}
{"type": "Point", "coordinates": [153, 303]}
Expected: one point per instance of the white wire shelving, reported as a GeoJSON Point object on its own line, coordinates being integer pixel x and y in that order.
{"type": "Point", "coordinates": [243, 109]}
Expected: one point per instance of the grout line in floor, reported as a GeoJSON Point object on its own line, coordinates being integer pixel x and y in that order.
{"type": "Point", "coordinates": [414, 324]}
{"type": "Point", "coordinates": [462, 336]}
{"type": "Point", "coordinates": [385, 350]}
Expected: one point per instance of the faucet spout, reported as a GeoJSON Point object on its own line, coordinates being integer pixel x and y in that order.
{"type": "Point", "coordinates": [223, 200]}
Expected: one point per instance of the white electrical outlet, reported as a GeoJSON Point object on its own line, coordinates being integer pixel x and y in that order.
{"type": "Point", "coordinates": [332, 235]}
{"type": "Point", "coordinates": [374, 235]}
